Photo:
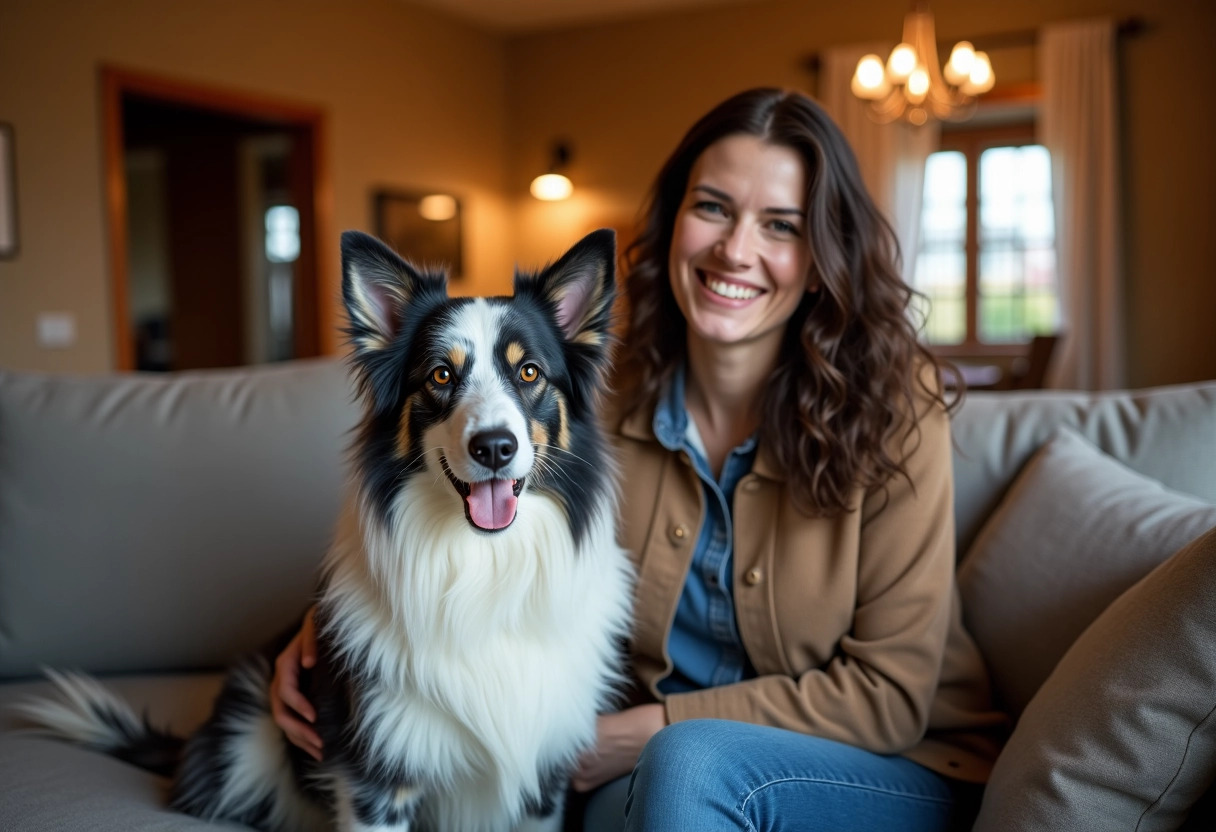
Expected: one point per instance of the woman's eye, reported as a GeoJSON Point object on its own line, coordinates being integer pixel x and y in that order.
{"type": "Point", "coordinates": [529, 373]}
{"type": "Point", "coordinates": [783, 227]}
{"type": "Point", "coordinates": [708, 207]}
{"type": "Point", "coordinates": [441, 375]}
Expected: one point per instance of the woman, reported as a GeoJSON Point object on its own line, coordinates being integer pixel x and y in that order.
{"type": "Point", "coordinates": [799, 657]}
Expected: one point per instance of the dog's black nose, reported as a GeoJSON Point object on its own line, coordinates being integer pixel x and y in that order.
{"type": "Point", "coordinates": [493, 448]}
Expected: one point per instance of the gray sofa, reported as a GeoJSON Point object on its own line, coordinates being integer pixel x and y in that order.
{"type": "Point", "coordinates": [152, 528]}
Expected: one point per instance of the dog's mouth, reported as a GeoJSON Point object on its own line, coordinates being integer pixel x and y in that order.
{"type": "Point", "coordinates": [488, 505]}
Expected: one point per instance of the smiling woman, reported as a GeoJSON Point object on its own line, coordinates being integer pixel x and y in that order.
{"type": "Point", "coordinates": [767, 197]}
{"type": "Point", "coordinates": [782, 427]}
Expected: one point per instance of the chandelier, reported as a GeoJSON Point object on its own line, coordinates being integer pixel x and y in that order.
{"type": "Point", "coordinates": [912, 86]}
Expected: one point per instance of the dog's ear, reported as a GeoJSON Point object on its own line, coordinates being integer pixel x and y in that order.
{"type": "Point", "coordinates": [380, 291]}
{"type": "Point", "coordinates": [579, 290]}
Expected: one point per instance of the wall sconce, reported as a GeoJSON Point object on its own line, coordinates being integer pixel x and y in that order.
{"type": "Point", "coordinates": [554, 185]}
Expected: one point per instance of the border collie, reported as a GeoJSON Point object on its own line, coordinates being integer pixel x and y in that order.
{"type": "Point", "coordinates": [472, 605]}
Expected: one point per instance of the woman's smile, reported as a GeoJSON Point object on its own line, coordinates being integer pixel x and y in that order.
{"type": "Point", "coordinates": [726, 289]}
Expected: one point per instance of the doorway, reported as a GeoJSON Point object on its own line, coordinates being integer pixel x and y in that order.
{"type": "Point", "coordinates": [214, 219]}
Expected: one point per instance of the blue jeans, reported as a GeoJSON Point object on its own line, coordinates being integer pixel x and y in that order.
{"type": "Point", "coordinates": [712, 774]}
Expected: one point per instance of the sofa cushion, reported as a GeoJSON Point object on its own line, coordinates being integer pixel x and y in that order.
{"type": "Point", "coordinates": [51, 785]}
{"type": "Point", "coordinates": [1076, 529]}
{"type": "Point", "coordinates": [1165, 433]}
{"type": "Point", "coordinates": [150, 523]}
{"type": "Point", "coordinates": [1123, 733]}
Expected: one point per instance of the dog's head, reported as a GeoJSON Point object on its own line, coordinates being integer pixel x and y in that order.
{"type": "Point", "coordinates": [483, 397]}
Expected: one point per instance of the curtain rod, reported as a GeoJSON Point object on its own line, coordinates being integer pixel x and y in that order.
{"type": "Point", "coordinates": [1128, 27]}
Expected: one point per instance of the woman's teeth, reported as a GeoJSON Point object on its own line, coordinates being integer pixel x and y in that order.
{"type": "Point", "coordinates": [730, 290]}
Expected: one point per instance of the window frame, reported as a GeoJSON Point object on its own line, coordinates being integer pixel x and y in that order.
{"type": "Point", "coordinates": [972, 141]}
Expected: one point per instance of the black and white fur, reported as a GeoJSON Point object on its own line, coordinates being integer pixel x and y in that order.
{"type": "Point", "coordinates": [474, 600]}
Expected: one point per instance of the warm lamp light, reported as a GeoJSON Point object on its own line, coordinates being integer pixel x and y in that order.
{"type": "Point", "coordinates": [551, 187]}
{"type": "Point", "coordinates": [980, 79]}
{"type": "Point", "coordinates": [901, 63]}
{"type": "Point", "coordinates": [913, 86]}
{"type": "Point", "coordinates": [437, 207]}
{"type": "Point", "coordinates": [870, 79]}
{"type": "Point", "coordinates": [962, 59]}
{"type": "Point", "coordinates": [554, 185]}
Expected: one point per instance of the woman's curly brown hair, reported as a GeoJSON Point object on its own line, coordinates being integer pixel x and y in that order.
{"type": "Point", "coordinates": [846, 384]}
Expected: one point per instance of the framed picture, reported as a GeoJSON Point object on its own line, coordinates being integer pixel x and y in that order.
{"type": "Point", "coordinates": [424, 228]}
{"type": "Point", "coordinates": [8, 193]}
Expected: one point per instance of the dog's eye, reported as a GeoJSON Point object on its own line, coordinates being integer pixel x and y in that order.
{"type": "Point", "coordinates": [529, 373]}
{"type": "Point", "coordinates": [441, 375]}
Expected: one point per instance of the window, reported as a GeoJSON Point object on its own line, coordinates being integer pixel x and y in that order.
{"type": "Point", "coordinates": [282, 234]}
{"type": "Point", "coordinates": [986, 263]}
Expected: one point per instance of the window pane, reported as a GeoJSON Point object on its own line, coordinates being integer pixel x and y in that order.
{"type": "Point", "coordinates": [282, 234]}
{"type": "Point", "coordinates": [941, 262]}
{"type": "Point", "coordinates": [1017, 264]}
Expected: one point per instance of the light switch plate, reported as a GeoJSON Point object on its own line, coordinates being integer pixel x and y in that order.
{"type": "Point", "coordinates": [56, 330]}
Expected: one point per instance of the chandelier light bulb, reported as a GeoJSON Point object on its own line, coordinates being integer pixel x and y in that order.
{"type": "Point", "coordinates": [901, 63]}
{"type": "Point", "coordinates": [980, 79]}
{"type": "Point", "coordinates": [962, 60]}
{"type": "Point", "coordinates": [918, 84]}
{"type": "Point", "coordinates": [870, 79]}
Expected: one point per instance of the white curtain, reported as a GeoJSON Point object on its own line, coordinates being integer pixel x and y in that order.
{"type": "Point", "coordinates": [892, 156]}
{"type": "Point", "coordinates": [1077, 124]}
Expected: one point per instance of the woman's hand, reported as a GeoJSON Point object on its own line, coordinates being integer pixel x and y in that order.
{"type": "Point", "coordinates": [619, 740]}
{"type": "Point", "coordinates": [288, 705]}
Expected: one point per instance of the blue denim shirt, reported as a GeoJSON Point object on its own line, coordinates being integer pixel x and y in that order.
{"type": "Point", "coordinates": [704, 642]}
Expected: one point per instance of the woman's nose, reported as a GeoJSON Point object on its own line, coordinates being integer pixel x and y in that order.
{"type": "Point", "coordinates": [736, 246]}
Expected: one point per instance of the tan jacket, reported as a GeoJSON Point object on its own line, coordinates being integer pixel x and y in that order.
{"type": "Point", "coordinates": [851, 622]}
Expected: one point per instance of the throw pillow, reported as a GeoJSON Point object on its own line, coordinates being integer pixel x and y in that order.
{"type": "Point", "coordinates": [1074, 531]}
{"type": "Point", "coordinates": [1123, 733]}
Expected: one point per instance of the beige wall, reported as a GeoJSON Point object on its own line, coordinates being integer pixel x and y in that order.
{"type": "Point", "coordinates": [624, 93]}
{"type": "Point", "coordinates": [418, 99]}
{"type": "Point", "coordinates": [412, 98]}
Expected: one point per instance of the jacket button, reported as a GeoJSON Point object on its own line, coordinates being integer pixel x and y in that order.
{"type": "Point", "coordinates": [753, 577]}
{"type": "Point", "coordinates": [679, 533]}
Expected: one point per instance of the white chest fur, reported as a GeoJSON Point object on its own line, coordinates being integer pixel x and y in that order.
{"type": "Point", "coordinates": [493, 652]}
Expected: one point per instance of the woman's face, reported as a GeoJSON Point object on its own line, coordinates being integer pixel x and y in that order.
{"type": "Point", "coordinates": [739, 251]}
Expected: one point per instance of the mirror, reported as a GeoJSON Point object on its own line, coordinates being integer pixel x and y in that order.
{"type": "Point", "coordinates": [424, 228]}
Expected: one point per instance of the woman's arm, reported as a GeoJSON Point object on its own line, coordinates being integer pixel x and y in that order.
{"type": "Point", "coordinates": [619, 741]}
{"type": "Point", "coordinates": [292, 712]}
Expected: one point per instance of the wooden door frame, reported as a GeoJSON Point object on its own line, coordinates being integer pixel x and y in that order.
{"type": "Point", "coordinates": [315, 305]}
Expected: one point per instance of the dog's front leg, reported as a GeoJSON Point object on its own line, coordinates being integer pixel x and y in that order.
{"type": "Point", "coordinates": [549, 823]}
{"type": "Point", "coordinates": [545, 815]}
{"type": "Point", "coordinates": [367, 804]}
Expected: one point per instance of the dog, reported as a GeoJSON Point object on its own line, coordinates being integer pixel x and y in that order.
{"type": "Point", "coordinates": [473, 604]}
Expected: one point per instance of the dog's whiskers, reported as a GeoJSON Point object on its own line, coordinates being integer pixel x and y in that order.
{"type": "Point", "coordinates": [565, 451]}
{"type": "Point", "coordinates": [548, 467]}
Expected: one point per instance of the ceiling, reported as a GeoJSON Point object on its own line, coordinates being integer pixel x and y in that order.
{"type": "Point", "coordinates": [521, 16]}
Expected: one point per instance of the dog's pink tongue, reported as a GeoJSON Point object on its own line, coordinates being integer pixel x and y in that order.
{"type": "Point", "coordinates": [492, 503]}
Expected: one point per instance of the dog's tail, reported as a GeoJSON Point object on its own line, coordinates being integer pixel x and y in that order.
{"type": "Point", "coordinates": [84, 712]}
